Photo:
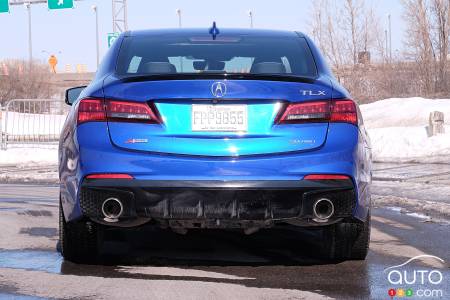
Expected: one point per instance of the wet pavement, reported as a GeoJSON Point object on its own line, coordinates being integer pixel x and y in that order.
{"type": "Point", "coordinates": [159, 264]}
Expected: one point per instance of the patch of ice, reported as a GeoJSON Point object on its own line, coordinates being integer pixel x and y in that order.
{"type": "Point", "coordinates": [419, 216]}
{"type": "Point", "coordinates": [394, 208]}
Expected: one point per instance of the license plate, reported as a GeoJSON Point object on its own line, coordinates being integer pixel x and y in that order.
{"type": "Point", "coordinates": [219, 117]}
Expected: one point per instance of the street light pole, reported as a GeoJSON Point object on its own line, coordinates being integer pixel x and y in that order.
{"type": "Point", "coordinates": [97, 40]}
{"type": "Point", "coordinates": [250, 15]}
{"type": "Point", "coordinates": [178, 11]}
{"type": "Point", "coordinates": [30, 40]}
{"type": "Point", "coordinates": [179, 17]}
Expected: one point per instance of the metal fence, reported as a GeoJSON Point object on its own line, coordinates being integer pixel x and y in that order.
{"type": "Point", "coordinates": [31, 121]}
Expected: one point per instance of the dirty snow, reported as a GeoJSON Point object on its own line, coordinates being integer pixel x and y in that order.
{"type": "Point", "coordinates": [398, 130]}
{"type": "Point", "coordinates": [438, 211]}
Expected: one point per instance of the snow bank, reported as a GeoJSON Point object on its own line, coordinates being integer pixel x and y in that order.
{"type": "Point", "coordinates": [31, 156]}
{"type": "Point", "coordinates": [397, 129]}
{"type": "Point", "coordinates": [403, 112]}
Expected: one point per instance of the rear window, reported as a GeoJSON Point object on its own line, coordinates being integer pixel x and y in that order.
{"type": "Point", "coordinates": [144, 55]}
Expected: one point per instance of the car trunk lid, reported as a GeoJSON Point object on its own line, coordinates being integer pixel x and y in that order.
{"type": "Point", "coordinates": [188, 107]}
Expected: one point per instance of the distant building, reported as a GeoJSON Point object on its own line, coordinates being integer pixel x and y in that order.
{"type": "Point", "coordinates": [364, 57]}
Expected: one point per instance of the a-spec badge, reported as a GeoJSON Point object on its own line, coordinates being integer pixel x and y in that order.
{"type": "Point", "coordinates": [136, 141]}
{"type": "Point", "coordinates": [219, 89]}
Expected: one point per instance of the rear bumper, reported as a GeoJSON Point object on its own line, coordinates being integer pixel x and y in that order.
{"type": "Point", "coordinates": [91, 152]}
{"type": "Point", "coordinates": [217, 204]}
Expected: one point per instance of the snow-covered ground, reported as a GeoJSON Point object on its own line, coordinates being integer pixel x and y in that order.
{"type": "Point", "coordinates": [398, 130]}
{"type": "Point", "coordinates": [37, 164]}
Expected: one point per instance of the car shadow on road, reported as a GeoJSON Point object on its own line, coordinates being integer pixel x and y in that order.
{"type": "Point", "coordinates": [285, 258]}
{"type": "Point", "coordinates": [161, 247]}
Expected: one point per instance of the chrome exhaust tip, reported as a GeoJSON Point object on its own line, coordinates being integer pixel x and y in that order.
{"type": "Point", "coordinates": [323, 209]}
{"type": "Point", "coordinates": [112, 210]}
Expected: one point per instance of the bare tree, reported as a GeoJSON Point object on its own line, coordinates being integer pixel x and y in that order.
{"type": "Point", "coordinates": [352, 14]}
{"type": "Point", "coordinates": [325, 30]}
{"type": "Point", "coordinates": [440, 15]}
{"type": "Point", "coordinates": [350, 26]}
{"type": "Point", "coordinates": [348, 33]}
{"type": "Point", "coordinates": [17, 82]}
{"type": "Point", "coordinates": [418, 41]}
{"type": "Point", "coordinates": [427, 41]}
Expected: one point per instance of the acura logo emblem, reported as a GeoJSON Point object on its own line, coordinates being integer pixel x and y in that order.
{"type": "Point", "coordinates": [219, 89]}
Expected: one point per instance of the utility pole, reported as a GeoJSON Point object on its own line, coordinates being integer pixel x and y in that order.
{"type": "Point", "coordinates": [250, 15]}
{"type": "Point", "coordinates": [120, 15]}
{"type": "Point", "coordinates": [97, 40]}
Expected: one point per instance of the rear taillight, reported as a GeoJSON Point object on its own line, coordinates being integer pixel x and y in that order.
{"type": "Point", "coordinates": [344, 111]}
{"type": "Point", "coordinates": [306, 112]}
{"type": "Point", "coordinates": [131, 112]}
{"type": "Point", "coordinates": [91, 110]}
{"type": "Point", "coordinates": [96, 110]}
{"type": "Point", "coordinates": [319, 111]}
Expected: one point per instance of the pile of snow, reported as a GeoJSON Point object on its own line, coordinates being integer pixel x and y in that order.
{"type": "Point", "coordinates": [29, 155]}
{"type": "Point", "coordinates": [398, 130]}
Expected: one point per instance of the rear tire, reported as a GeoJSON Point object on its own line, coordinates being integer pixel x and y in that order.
{"type": "Point", "coordinates": [347, 241]}
{"type": "Point", "coordinates": [80, 241]}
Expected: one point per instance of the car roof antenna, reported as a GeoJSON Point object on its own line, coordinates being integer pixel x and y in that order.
{"type": "Point", "coordinates": [214, 31]}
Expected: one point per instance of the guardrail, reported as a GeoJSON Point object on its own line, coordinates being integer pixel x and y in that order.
{"type": "Point", "coordinates": [32, 121]}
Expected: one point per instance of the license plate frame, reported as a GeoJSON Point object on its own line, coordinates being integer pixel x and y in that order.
{"type": "Point", "coordinates": [219, 118]}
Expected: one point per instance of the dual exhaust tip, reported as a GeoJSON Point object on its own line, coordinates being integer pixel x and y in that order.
{"type": "Point", "coordinates": [112, 209]}
{"type": "Point", "coordinates": [323, 210]}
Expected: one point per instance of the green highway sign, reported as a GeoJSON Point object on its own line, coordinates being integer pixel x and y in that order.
{"type": "Point", "coordinates": [112, 38]}
{"type": "Point", "coordinates": [59, 4]}
{"type": "Point", "coordinates": [4, 6]}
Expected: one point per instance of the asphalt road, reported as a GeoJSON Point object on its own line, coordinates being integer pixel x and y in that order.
{"type": "Point", "coordinates": [209, 265]}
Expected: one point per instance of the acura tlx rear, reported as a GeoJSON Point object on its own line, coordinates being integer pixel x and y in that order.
{"type": "Point", "coordinates": [241, 130]}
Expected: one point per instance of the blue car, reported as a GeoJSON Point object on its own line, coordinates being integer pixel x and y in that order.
{"type": "Point", "coordinates": [219, 129]}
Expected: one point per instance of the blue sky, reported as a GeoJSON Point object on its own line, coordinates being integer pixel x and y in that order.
{"type": "Point", "coordinates": [73, 31]}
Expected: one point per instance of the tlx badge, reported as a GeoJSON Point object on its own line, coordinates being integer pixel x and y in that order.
{"type": "Point", "coordinates": [312, 93]}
